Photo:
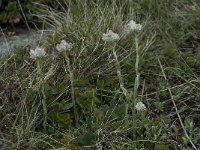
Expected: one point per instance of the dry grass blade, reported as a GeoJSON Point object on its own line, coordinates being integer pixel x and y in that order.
{"type": "Point", "coordinates": [176, 109]}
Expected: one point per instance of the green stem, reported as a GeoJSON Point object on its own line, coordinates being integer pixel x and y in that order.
{"type": "Point", "coordinates": [71, 76]}
{"type": "Point", "coordinates": [121, 82]}
{"type": "Point", "coordinates": [44, 104]}
{"type": "Point", "coordinates": [137, 79]}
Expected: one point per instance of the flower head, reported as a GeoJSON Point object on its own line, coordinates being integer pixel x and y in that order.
{"type": "Point", "coordinates": [131, 26]}
{"type": "Point", "coordinates": [63, 46]}
{"type": "Point", "coordinates": [38, 52]}
{"type": "Point", "coordinates": [110, 36]}
{"type": "Point", "coordinates": [140, 106]}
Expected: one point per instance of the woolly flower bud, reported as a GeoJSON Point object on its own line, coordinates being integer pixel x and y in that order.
{"type": "Point", "coordinates": [38, 52]}
{"type": "Point", "coordinates": [110, 36]}
{"type": "Point", "coordinates": [131, 26]}
{"type": "Point", "coordinates": [140, 106]}
{"type": "Point", "coordinates": [63, 46]}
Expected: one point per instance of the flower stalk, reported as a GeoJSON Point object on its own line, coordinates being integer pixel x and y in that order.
{"type": "Point", "coordinates": [44, 103]}
{"type": "Point", "coordinates": [137, 79]}
{"type": "Point", "coordinates": [71, 78]}
{"type": "Point", "coordinates": [121, 82]}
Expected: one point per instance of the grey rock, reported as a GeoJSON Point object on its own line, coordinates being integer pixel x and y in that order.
{"type": "Point", "coordinates": [22, 39]}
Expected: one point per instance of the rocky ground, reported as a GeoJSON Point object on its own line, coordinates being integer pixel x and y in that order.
{"type": "Point", "coordinates": [21, 38]}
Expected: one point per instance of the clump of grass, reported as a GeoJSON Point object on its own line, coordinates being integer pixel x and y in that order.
{"type": "Point", "coordinates": [85, 97]}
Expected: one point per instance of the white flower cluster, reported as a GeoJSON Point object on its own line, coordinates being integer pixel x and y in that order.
{"type": "Point", "coordinates": [140, 106]}
{"type": "Point", "coordinates": [64, 46]}
{"type": "Point", "coordinates": [38, 52]}
{"type": "Point", "coordinates": [110, 36]}
{"type": "Point", "coordinates": [132, 26]}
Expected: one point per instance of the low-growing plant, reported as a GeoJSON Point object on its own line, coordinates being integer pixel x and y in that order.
{"type": "Point", "coordinates": [99, 85]}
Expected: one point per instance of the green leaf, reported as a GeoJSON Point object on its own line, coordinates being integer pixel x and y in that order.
{"type": "Point", "coordinates": [60, 119]}
{"type": "Point", "coordinates": [65, 106]}
{"type": "Point", "coordinates": [159, 106]}
{"type": "Point", "coordinates": [53, 39]}
{"type": "Point", "coordinates": [160, 146]}
{"type": "Point", "coordinates": [3, 17]}
{"type": "Point", "coordinates": [170, 50]}
{"type": "Point", "coordinates": [84, 99]}
{"type": "Point", "coordinates": [12, 7]}
{"type": "Point", "coordinates": [63, 120]}
{"type": "Point", "coordinates": [100, 112]}
{"type": "Point", "coordinates": [86, 139]}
